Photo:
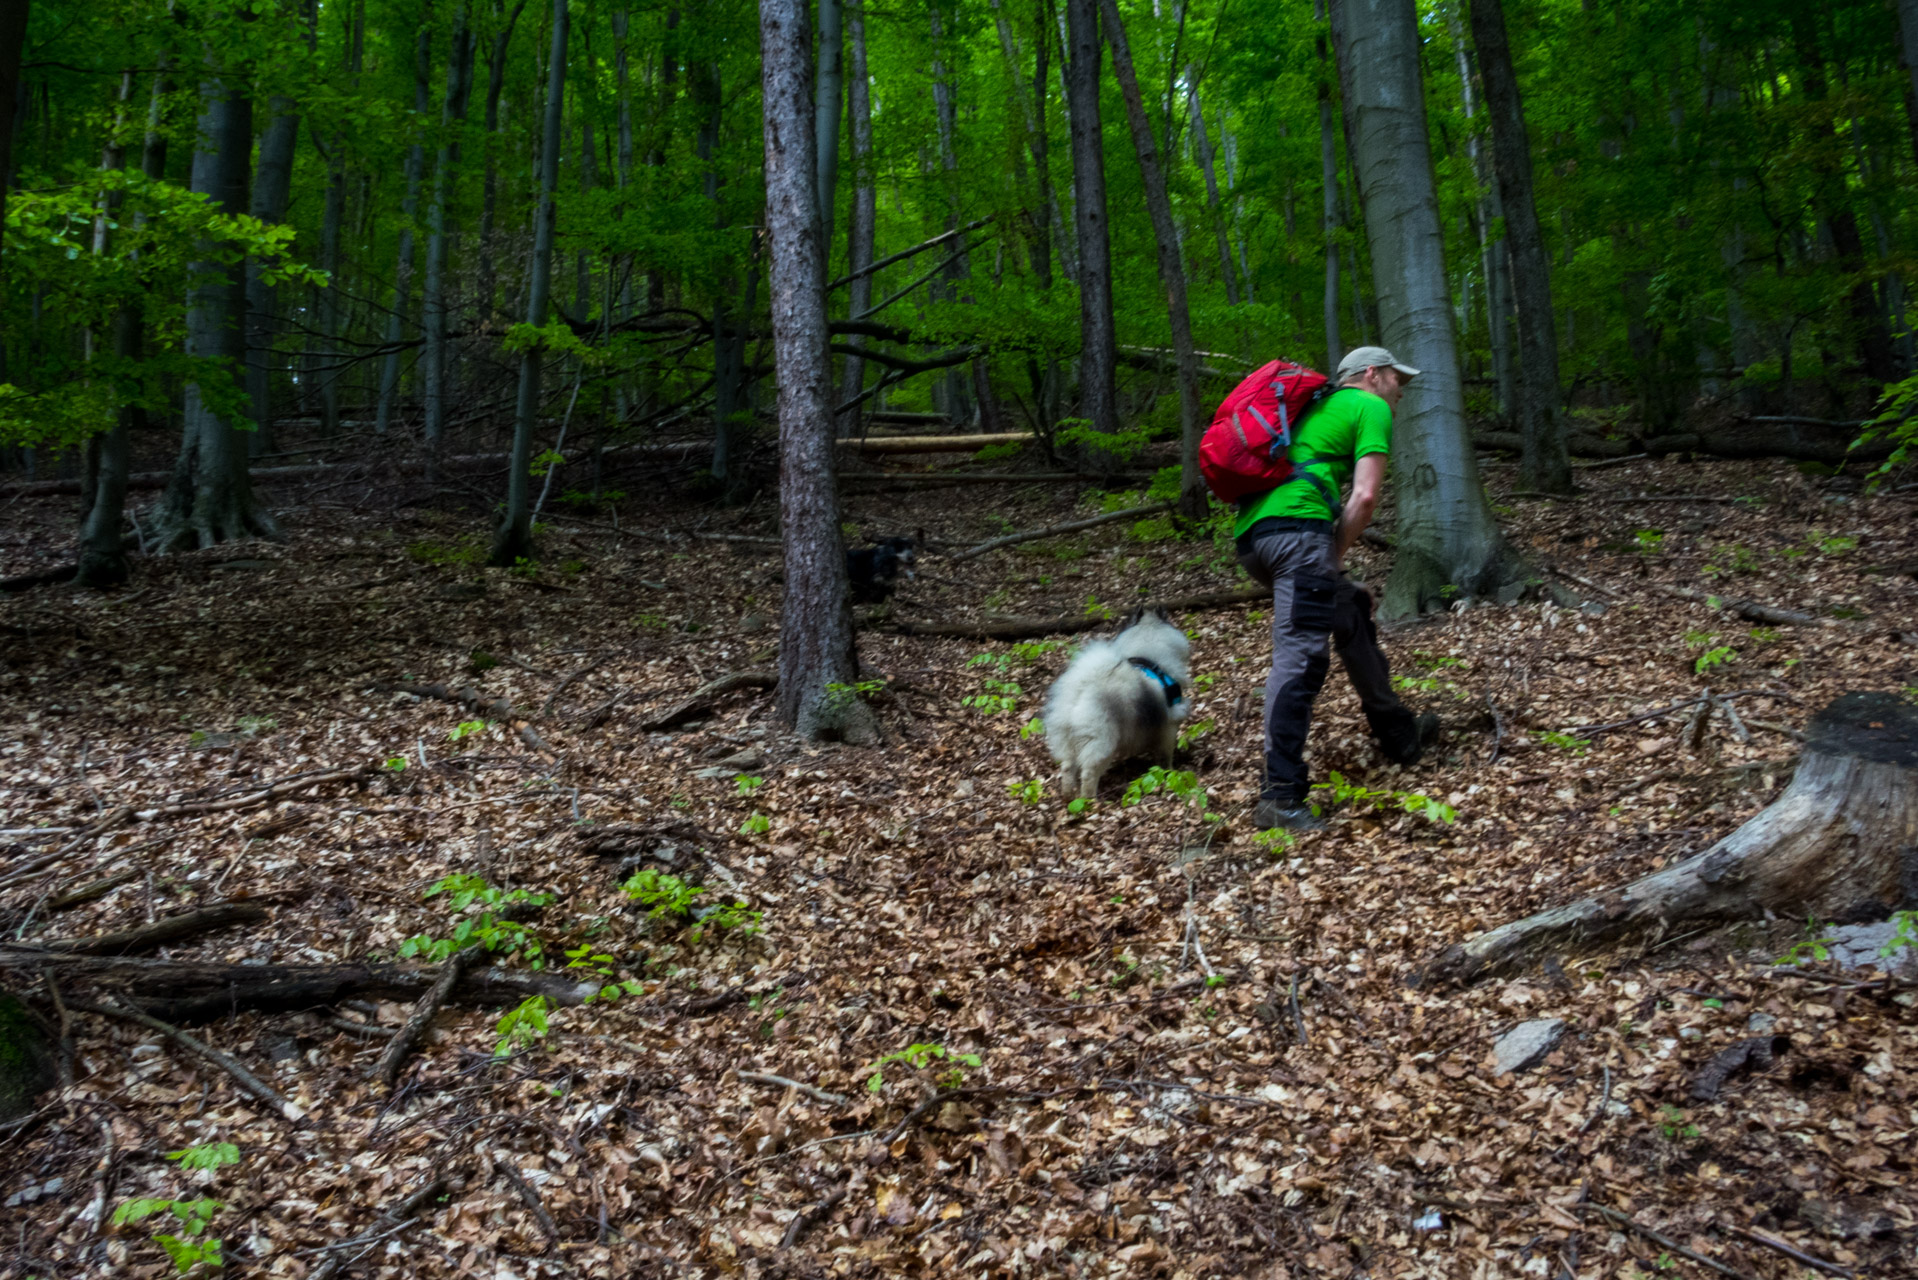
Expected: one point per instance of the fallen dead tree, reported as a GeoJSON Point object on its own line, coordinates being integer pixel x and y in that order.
{"type": "Point", "coordinates": [195, 991]}
{"type": "Point", "coordinates": [1837, 843]}
{"type": "Point", "coordinates": [935, 444]}
{"type": "Point", "coordinates": [1053, 531]}
{"type": "Point", "coordinates": [1793, 438]}
{"type": "Point", "coordinates": [1071, 624]}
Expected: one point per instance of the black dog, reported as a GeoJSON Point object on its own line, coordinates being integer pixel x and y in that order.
{"type": "Point", "coordinates": [874, 571]}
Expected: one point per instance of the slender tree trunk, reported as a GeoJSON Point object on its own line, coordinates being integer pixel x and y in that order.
{"type": "Point", "coordinates": [1099, 347]}
{"type": "Point", "coordinates": [1446, 534]}
{"type": "Point", "coordinates": [514, 540]}
{"type": "Point", "coordinates": [13, 39]}
{"type": "Point", "coordinates": [102, 559]}
{"type": "Point", "coordinates": [409, 212]}
{"type": "Point", "coordinates": [1908, 55]}
{"type": "Point", "coordinates": [1202, 144]}
{"type": "Point", "coordinates": [1192, 491]}
{"type": "Point", "coordinates": [270, 187]}
{"type": "Point", "coordinates": [327, 308]}
{"type": "Point", "coordinates": [459, 85]}
{"type": "Point", "coordinates": [729, 344]}
{"type": "Point", "coordinates": [1544, 463]}
{"type": "Point", "coordinates": [210, 499]}
{"type": "Point", "coordinates": [1490, 216]}
{"type": "Point", "coordinates": [957, 394]}
{"type": "Point", "coordinates": [862, 225]}
{"type": "Point", "coordinates": [816, 637]}
{"type": "Point", "coordinates": [487, 275]}
{"type": "Point", "coordinates": [829, 93]}
{"type": "Point", "coordinates": [1329, 178]}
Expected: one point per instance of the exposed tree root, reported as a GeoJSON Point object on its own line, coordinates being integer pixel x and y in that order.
{"type": "Point", "coordinates": [706, 695]}
{"type": "Point", "coordinates": [1839, 841]}
{"type": "Point", "coordinates": [402, 1045]}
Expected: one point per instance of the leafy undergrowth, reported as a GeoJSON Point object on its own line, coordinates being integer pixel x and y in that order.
{"type": "Point", "coordinates": [1119, 1041]}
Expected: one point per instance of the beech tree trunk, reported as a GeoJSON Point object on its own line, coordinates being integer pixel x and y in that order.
{"type": "Point", "coordinates": [1202, 145]}
{"type": "Point", "coordinates": [1099, 344]}
{"type": "Point", "coordinates": [327, 308]}
{"type": "Point", "coordinates": [1489, 216]}
{"type": "Point", "coordinates": [409, 210]}
{"type": "Point", "coordinates": [271, 185]}
{"type": "Point", "coordinates": [515, 537]}
{"type": "Point", "coordinates": [861, 225]}
{"type": "Point", "coordinates": [815, 634]}
{"type": "Point", "coordinates": [459, 84]}
{"type": "Point", "coordinates": [13, 39]}
{"type": "Point", "coordinates": [829, 90]}
{"type": "Point", "coordinates": [1446, 534]}
{"type": "Point", "coordinates": [1192, 491]}
{"type": "Point", "coordinates": [487, 277]}
{"type": "Point", "coordinates": [1545, 465]}
{"type": "Point", "coordinates": [1908, 55]}
{"type": "Point", "coordinates": [1329, 176]}
{"type": "Point", "coordinates": [210, 499]}
{"type": "Point", "coordinates": [1839, 843]}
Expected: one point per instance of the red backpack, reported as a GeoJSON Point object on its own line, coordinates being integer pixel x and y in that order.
{"type": "Point", "coordinates": [1244, 450]}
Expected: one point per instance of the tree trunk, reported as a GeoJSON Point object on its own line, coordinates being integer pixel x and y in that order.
{"type": "Point", "coordinates": [1192, 490]}
{"type": "Point", "coordinates": [1837, 844]}
{"type": "Point", "coordinates": [327, 310]}
{"type": "Point", "coordinates": [13, 39]}
{"type": "Point", "coordinates": [956, 400]}
{"type": "Point", "coordinates": [829, 88]}
{"type": "Point", "coordinates": [1446, 534]}
{"type": "Point", "coordinates": [861, 225]}
{"type": "Point", "coordinates": [816, 637]}
{"type": "Point", "coordinates": [514, 541]}
{"type": "Point", "coordinates": [459, 85]}
{"type": "Point", "coordinates": [1099, 345]}
{"type": "Point", "coordinates": [210, 499]}
{"type": "Point", "coordinates": [102, 558]}
{"type": "Point", "coordinates": [1202, 144]}
{"type": "Point", "coordinates": [487, 276]}
{"type": "Point", "coordinates": [1490, 217]}
{"type": "Point", "coordinates": [409, 211]}
{"type": "Point", "coordinates": [1545, 466]}
{"type": "Point", "coordinates": [1329, 176]}
{"type": "Point", "coordinates": [1908, 55]}
{"type": "Point", "coordinates": [270, 187]}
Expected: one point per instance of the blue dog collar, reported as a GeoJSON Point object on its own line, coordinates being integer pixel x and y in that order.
{"type": "Point", "coordinates": [1173, 694]}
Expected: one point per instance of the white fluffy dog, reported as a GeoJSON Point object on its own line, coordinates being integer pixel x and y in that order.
{"type": "Point", "coordinates": [1118, 698]}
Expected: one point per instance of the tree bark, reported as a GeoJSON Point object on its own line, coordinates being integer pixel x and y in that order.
{"type": "Point", "coordinates": [1098, 339]}
{"type": "Point", "coordinates": [1490, 216]}
{"type": "Point", "coordinates": [1202, 145]}
{"type": "Point", "coordinates": [1192, 491]}
{"type": "Point", "coordinates": [828, 91]}
{"type": "Point", "coordinates": [459, 85]}
{"type": "Point", "coordinates": [953, 395]}
{"type": "Point", "coordinates": [1329, 177]}
{"type": "Point", "coordinates": [271, 185]}
{"type": "Point", "coordinates": [861, 225]}
{"type": "Point", "coordinates": [409, 212]}
{"type": "Point", "coordinates": [487, 282]}
{"type": "Point", "coordinates": [13, 39]}
{"type": "Point", "coordinates": [1837, 844]}
{"type": "Point", "coordinates": [514, 539]}
{"type": "Point", "coordinates": [328, 313]}
{"type": "Point", "coordinates": [1908, 56]}
{"type": "Point", "coordinates": [816, 637]}
{"type": "Point", "coordinates": [1447, 537]}
{"type": "Point", "coordinates": [210, 499]}
{"type": "Point", "coordinates": [1545, 466]}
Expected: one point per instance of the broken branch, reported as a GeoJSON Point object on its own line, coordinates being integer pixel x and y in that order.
{"type": "Point", "coordinates": [248, 1081]}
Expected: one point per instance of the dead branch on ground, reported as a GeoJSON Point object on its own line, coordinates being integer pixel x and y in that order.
{"type": "Point", "coordinates": [1027, 628]}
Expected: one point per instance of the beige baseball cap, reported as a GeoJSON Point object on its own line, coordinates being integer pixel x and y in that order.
{"type": "Point", "coordinates": [1359, 359]}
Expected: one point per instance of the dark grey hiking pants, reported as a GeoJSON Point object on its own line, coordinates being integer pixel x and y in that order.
{"type": "Point", "coordinates": [1313, 610]}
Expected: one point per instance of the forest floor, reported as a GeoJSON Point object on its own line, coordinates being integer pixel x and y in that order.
{"type": "Point", "coordinates": [1094, 1104]}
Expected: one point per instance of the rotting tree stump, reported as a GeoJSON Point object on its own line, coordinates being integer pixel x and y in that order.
{"type": "Point", "coordinates": [1841, 843]}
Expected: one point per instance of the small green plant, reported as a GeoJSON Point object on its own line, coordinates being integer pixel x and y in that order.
{"type": "Point", "coordinates": [1417, 684]}
{"type": "Point", "coordinates": [1276, 841]}
{"type": "Point", "coordinates": [1649, 540]}
{"type": "Point", "coordinates": [1032, 728]}
{"type": "Point", "coordinates": [1714, 658]}
{"type": "Point", "coordinates": [1673, 1125]}
{"type": "Point", "coordinates": [920, 1056]}
{"type": "Point", "coordinates": [251, 725]}
{"type": "Point", "coordinates": [840, 696]}
{"type": "Point", "coordinates": [747, 783]}
{"type": "Point", "coordinates": [1815, 945]}
{"type": "Point", "coordinates": [1695, 637]}
{"type": "Point", "coordinates": [1096, 610]}
{"type": "Point", "coordinates": [1205, 680]}
{"type": "Point", "coordinates": [1031, 791]}
{"type": "Point", "coordinates": [206, 1156]}
{"type": "Point", "coordinates": [1194, 730]}
{"type": "Point", "coordinates": [652, 622]}
{"type": "Point", "coordinates": [396, 763]}
{"type": "Point", "coordinates": [1177, 782]}
{"type": "Point", "coordinates": [999, 697]}
{"type": "Point", "coordinates": [481, 928]}
{"type": "Point", "coordinates": [522, 1027]}
{"type": "Point", "coordinates": [667, 897]}
{"type": "Point", "coordinates": [1216, 980]}
{"type": "Point", "coordinates": [1832, 544]}
{"type": "Point", "coordinates": [192, 1247]}
{"type": "Point", "coordinates": [1413, 802]}
{"type": "Point", "coordinates": [469, 549]}
{"type": "Point", "coordinates": [479, 662]}
{"type": "Point", "coordinates": [1906, 935]}
{"type": "Point", "coordinates": [1566, 742]}
{"type": "Point", "coordinates": [465, 729]}
{"type": "Point", "coordinates": [1765, 635]}
{"type": "Point", "coordinates": [1078, 805]}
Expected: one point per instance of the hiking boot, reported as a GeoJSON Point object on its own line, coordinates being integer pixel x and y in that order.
{"type": "Point", "coordinates": [1427, 729]}
{"type": "Point", "coordinates": [1270, 813]}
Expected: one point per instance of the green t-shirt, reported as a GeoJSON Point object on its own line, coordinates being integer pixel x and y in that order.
{"type": "Point", "coordinates": [1348, 425]}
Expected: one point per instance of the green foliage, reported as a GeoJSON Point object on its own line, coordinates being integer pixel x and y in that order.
{"type": "Point", "coordinates": [1714, 658]}
{"type": "Point", "coordinates": [1182, 784]}
{"type": "Point", "coordinates": [1649, 540]}
{"type": "Point", "coordinates": [747, 784]}
{"type": "Point", "coordinates": [465, 729]}
{"type": "Point", "coordinates": [1122, 446]}
{"type": "Point", "coordinates": [522, 1026]}
{"type": "Point", "coordinates": [1020, 654]}
{"type": "Point", "coordinates": [468, 549]}
{"type": "Point", "coordinates": [1194, 730]}
{"type": "Point", "coordinates": [506, 938]}
{"type": "Point", "coordinates": [1832, 544]}
{"type": "Point", "coordinates": [1673, 1125]}
{"type": "Point", "coordinates": [1096, 610]}
{"type": "Point", "coordinates": [1275, 841]}
{"type": "Point", "coordinates": [1031, 791]}
{"type": "Point", "coordinates": [1814, 945]}
{"type": "Point", "coordinates": [1766, 635]}
{"type": "Point", "coordinates": [1566, 742]}
{"type": "Point", "coordinates": [920, 1056]}
{"type": "Point", "coordinates": [1897, 421]}
{"type": "Point", "coordinates": [1413, 802]}
{"type": "Point", "coordinates": [396, 763]}
{"type": "Point", "coordinates": [1032, 728]}
{"type": "Point", "coordinates": [667, 897]}
{"type": "Point", "coordinates": [840, 696]}
{"type": "Point", "coordinates": [192, 1246]}
{"type": "Point", "coordinates": [1904, 936]}
{"type": "Point", "coordinates": [1000, 696]}
{"type": "Point", "coordinates": [206, 1156]}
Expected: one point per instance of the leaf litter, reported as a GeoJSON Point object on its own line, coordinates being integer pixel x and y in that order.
{"type": "Point", "coordinates": [969, 1035]}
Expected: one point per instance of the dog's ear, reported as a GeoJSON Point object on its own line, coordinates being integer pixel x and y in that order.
{"type": "Point", "coordinates": [1132, 619]}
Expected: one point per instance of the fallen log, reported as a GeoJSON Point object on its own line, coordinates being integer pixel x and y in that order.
{"type": "Point", "coordinates": [1027, 628]}
{"type": "Point", "coordinates": [935, 444]}
{"type": "Point", "coordinates": [254, 799]}
{"type": "Point", "coordinates": [401, 1046]}
{"type": "Point", "coordinates": [1579, 443]}
{"type": "Point", "coordinates": [195, 991]}
{"type": "Point", "coordinates": [1749, 610]}
{"type": "Point", "coordinates": [1053, 531]}
{"type": "Point", "coordinates": [176, 928]}
{"type": "Point", "coordinates": [1837, 843]}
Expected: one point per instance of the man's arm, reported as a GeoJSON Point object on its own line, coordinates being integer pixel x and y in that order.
{"type": "Point", "coordinates": [1368, 477]}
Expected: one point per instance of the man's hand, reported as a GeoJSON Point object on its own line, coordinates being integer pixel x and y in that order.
{"type": "Point", "coordinates": [1368, 478]}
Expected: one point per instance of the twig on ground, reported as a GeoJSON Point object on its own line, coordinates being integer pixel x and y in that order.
{"type": "Point", "coordinates": [1694, 735]}
{"type": "Point", "coordinates": [806, 1217]}
{"type": "Point", "coordinates": [254, 799]}
{"type": "Point", "coordinates": [702, 698]}
{"type": "Point", "coordinates": [1603, 1102]}
{"type": "Point", "coordinates": [247, 1080]}
{"type": "Point", "coordinates": [1784, 729]}
{"type": "Point", "coordinates": [1298, 1016]}
{"type": "Point", "coordinates": [371, 1030]}
{"type": "Point", "coordinates": [97, 889]}
{"type": "Point", "coordinates": [812, 1091]}
{"type": "Point", "coordinates": [1659, 1238]}
{"type": "Point", "coordinates": [1739, 730]}
{"type": "Point", "coordinates": [1498, 729]}
{"type": "Point", "coordinates": [400, 1214]}
{"type": "Point", "coordinates": [1810, 1260]}
{"type": "Point", "coordinates": [546, 708]}
{"type": "Point", "coordinates": [529, 1196]}
{"type": "Point", "coordinates": [1053, 531]}
{"type": "Point", "coordinates": [910, 1119]}
{"type": "Point", "coordinates": [408, 1036]}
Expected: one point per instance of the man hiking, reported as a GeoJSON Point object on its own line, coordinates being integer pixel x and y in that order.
{"type": "Point", "coordinates": [1293, 539]}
